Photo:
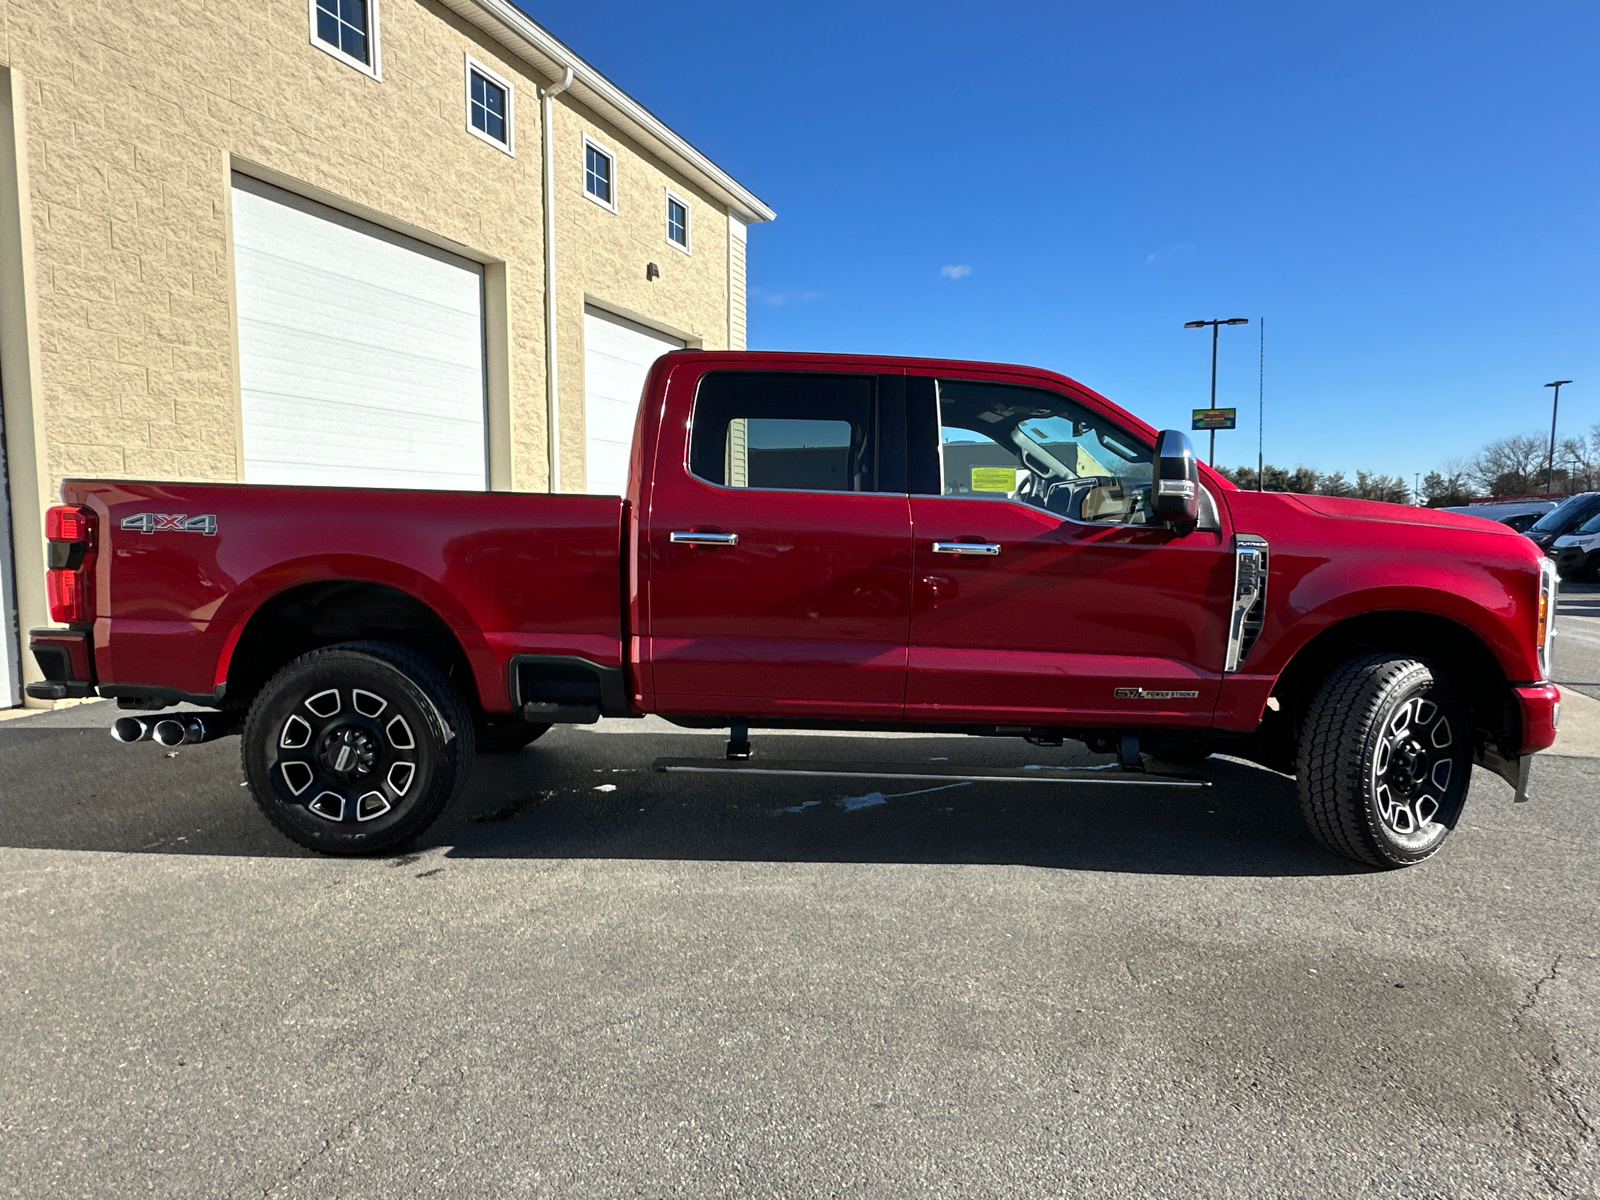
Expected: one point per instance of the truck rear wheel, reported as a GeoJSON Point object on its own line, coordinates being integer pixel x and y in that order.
{"type": "Point", "coordinates": [356, 749]}
{"type": "Point", "coordinates": [1384, 761]}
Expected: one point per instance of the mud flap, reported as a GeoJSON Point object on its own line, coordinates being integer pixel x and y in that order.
{"type": "Point", "coordinates": [1513, 770]}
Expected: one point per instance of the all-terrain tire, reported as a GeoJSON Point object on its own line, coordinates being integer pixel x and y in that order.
{"type": "Point", "coordinates": [507, 735]}
{"type": "Point", "coordinates": [1385, 760]}
{"type": "Point", "coordinates": [357, 748]}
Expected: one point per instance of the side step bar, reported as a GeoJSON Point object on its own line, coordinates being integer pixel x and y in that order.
{"type": "Point", "coordinates": [1112, 773]}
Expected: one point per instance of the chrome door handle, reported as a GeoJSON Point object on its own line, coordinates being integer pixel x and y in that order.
{"type": "Point", "coordinates": [984, 549]}
{"type": "Point", "coordinates": [693, 538]}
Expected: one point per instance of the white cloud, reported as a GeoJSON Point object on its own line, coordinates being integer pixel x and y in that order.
{"type": "Point", "coordinates": [956, 271]}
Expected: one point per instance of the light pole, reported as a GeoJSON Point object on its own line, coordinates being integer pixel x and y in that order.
{"type": "Point", "coordinates": [1211, 455]}
{"type": "Point", "coordinates": [1555, 402]}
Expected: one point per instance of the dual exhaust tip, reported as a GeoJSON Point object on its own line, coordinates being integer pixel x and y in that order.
{"type": "Point", "coordinates": [185, 729]}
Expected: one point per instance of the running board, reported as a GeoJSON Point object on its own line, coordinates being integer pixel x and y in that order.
{"type": "Point", "coordinates": [1111, 773]}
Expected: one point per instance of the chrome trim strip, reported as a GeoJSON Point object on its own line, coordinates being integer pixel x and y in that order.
{"type": "Point", "coordinates": [1249, 591]}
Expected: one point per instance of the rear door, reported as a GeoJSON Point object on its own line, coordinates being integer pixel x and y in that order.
{"type": "Point", "coordinates": [1045, 594]}
{"type": "Point", "coordinates": [778, 545]}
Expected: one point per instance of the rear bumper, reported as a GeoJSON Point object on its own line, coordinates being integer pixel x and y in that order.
{"type": "Point", "coordinates": [1540, 707]}
{"type": "Point", "coordinates": [65, 660]}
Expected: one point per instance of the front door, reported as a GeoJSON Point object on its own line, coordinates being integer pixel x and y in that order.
{"type": "Point", "coordinates": [1045, 591]}
{"type": "Point", "coordinates": [779, 560]}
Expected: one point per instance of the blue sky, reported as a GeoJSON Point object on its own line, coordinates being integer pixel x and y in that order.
{"type": "Point", "coordinates": [1407, 193]}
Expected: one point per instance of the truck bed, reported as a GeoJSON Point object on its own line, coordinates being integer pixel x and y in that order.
{"type": "Point", "coordinates": [508, 573]}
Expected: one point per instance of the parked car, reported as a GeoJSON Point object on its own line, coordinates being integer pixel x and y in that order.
{"type": "Point", "coordinates": [832, 542]}
{"type": "Point", "coordinates": [1563, 519]}
{"type": "Point", "coordinates": [1577, 554]}
{"type": "Point", "coordinates": [1521, 522]}
{"type": "Point", "coordinates": [1514, 514]}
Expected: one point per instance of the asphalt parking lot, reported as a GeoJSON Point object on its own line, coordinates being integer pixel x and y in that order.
{"type": "Point", "coordinates": [591, 980]}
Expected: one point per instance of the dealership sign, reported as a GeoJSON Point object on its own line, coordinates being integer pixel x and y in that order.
{"type": "Point", "coordinates": [1213, 418]}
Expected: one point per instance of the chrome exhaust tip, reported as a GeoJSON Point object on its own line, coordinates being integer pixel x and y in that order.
{"type": "Point", "coordinates": [171, 732]}
{"type": "Point", "coordinates": [129, 729]}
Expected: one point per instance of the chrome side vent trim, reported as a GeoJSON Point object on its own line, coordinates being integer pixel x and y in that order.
{"type": "Point", "coordinates": [1249, 598]}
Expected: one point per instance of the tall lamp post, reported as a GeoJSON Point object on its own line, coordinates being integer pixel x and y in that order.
{"type": "Point", "coordinates": [1211, 456]}
{"type": "Point", "coordinates": [1555, 402]}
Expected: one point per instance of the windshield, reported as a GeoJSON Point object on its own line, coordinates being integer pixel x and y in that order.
{"type": "Point", "coordinates": [1592, 525]}
{"type": "Point", "coordinates": [1563, 515]}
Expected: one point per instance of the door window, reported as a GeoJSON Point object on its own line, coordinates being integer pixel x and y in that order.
{"type": "Point", "coordinates": [1003, 442]}
{"type": "Point", "coordinates": [786, 432]}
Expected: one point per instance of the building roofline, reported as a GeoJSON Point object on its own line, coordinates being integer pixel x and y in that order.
{"type": "Point", "coordinates": [515, 30]}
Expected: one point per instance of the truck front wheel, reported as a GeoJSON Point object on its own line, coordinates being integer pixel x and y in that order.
{"type": "Point", "coordinates": [1384, 761]}
{"type": "Point", "coordinates": [357, 748]}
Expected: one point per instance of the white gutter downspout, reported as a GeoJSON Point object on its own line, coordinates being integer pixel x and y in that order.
{"type": "Point", "coordinates": [552, 391]}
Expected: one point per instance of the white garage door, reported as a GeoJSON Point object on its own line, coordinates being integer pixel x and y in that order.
{"type": "Point", "coordinates": [360, 351]}
{"type": "Point", "coordinates": [616, 356]}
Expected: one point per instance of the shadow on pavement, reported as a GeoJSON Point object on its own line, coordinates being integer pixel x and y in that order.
{"type": "Point", "coordinates": [580, 794]}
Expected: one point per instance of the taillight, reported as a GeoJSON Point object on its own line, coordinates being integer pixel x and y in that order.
{"type": "Point", "coordinates": [69, 530]}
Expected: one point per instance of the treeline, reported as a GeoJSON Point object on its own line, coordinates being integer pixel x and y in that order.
{"type": "Point", "coordinates": [1308, 481]}
{"type": "Point", "coordinates": [1518, 465]}
{"type": "Point", "coordinates": [1509, 466]}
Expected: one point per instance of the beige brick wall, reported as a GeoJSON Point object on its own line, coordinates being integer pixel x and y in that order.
{"type": "Point", "coordinates": [604, 255]}
{"type": "Point", "coordinates": [134, 115]}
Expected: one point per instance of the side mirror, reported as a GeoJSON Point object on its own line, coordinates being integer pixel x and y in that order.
{"type": "Point", "coordinates": [1175, 496]}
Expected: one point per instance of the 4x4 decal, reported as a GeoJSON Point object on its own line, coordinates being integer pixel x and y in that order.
{"type": "Point", "coordinates": [168, 523]}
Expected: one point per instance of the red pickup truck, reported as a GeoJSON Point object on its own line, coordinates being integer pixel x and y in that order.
{"type": "Point", "coordinates": [830, 542]}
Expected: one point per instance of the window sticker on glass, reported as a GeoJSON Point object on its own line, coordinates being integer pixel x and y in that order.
{"type": "Point", "coordinates": [994, 479]}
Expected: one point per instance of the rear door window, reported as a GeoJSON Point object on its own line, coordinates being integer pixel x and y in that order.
{"type": "Point", "coordinates": [775, 431]}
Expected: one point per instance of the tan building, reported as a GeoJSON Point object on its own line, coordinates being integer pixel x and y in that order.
{"type": "Point", "coordinates": [354, 242]}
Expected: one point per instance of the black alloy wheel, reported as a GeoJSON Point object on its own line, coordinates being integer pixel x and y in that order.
{"type": "Point", "coordinates": [356, 749]}
{"type": "Point", "coordinates": [1385, 761]}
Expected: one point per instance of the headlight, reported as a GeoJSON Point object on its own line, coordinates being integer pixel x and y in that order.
{"type": "Point", "coordinates": [1547, 614]}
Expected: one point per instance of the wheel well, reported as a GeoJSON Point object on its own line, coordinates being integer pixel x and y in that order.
{"type": "Point", "coordinates": [313, 615]}
{"type": "Point", "coordinates": [1458, 651]}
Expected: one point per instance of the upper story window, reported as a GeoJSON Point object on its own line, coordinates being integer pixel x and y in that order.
{"type": "Point", "coordinates": [599, 173]}
{"type": "Point", "coordinates": [488, 106]}
{"type": "Point", "coordinates": [678, 222]}
{"type": "Point", "coordinates": [348, 30]}
{"type": "Point", "coordinates": [785, 432]}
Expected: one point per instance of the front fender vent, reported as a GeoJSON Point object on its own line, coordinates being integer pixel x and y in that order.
{"type": "Point", "coordinates": [1249, 598]}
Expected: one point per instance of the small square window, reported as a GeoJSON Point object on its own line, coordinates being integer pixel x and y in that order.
{"type": "Point", "coordinates": [677, 222]}
{"type": "Point", "coordinates": [599, 168]}
{"type": "Point", "coordinates": [347, 29]}
{"type": "Point", "coordinates": [489, 106]}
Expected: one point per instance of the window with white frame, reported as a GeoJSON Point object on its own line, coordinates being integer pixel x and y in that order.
{"type": "Point", "coordinates": [348, 30]}
{"type": "Point", "coordinates": [599, 173]}
{"type": "Point", "coordinates": [678, 222]}
{"type": "Point", "coordinates": [489, 100]}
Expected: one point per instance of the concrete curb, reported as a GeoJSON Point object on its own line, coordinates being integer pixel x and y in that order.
{"type": "Point", "coordinates": [1579, 736]}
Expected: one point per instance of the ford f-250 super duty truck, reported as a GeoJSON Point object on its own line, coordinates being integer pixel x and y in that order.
{"type": "Point", "coordinates": [827, 542]}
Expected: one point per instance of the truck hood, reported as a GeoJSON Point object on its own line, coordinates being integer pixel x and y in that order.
{"type": "Point", "coordinates": [1397, 514]}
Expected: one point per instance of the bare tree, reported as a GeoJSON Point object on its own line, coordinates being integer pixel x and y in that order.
{"type": "Point", "coordinates": [1511, 466]}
